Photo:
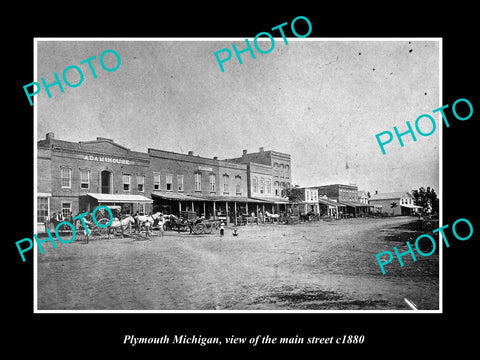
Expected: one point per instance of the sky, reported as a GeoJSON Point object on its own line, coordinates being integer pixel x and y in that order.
{"type": "Point", "coordinates": [320, 101]}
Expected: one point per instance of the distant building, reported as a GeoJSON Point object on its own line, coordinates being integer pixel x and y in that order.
{"type": "Point", "coordinates": [363, 196]}
{"type": "Point", "coordinates": [346, 195]}
{"type": "Point", "coordinates": [395, 203]}
{"type": "Point", "coordinates": [269, 174]}
{"type": "Point", "coordinates": [309, 197]}
{"type": "Point", "coordinates": [339, 192]}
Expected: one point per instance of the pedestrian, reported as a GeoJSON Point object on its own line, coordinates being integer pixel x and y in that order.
{"type": "Point", "coordinates": [86, 231]}
{"type": "Point", "coordinates": [222, 229]}
{"type": "Point", "coordinates": [137, 222]}
{"type": "Point", "coordinates": [235, 231]}
{"type": "Point", "coordinates": [161, 222]}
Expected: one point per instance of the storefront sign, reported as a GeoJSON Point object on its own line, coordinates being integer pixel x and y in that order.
{"type": "Point", "coordinates": [204, 168]}
{"type": "Point", "coordinates": [108, 159]}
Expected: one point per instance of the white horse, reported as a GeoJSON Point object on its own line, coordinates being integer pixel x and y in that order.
{"type": "Point", "coordinates": [116, 223]}
{"type": "Point", "coordinates": [273, 216]}
{"type": "Point", "coordinates": [148, 220]}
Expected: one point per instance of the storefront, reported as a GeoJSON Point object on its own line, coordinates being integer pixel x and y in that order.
{"type": "Point", "coordinates": [128, 204]}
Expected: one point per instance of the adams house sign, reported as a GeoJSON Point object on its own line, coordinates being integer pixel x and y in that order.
{"type": "Point", "coordinates": [108, 159]}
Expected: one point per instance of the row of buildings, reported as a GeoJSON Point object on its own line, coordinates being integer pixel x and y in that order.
{"type": "Point", "coordinates": [76, 177]}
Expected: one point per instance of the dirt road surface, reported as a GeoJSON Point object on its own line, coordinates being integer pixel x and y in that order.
{"type": "Point", "coordinates": [310, 266]}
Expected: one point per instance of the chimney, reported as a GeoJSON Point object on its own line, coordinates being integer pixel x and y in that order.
{"type": "Point", "coordinates": [376, 192]}
{"type": "Point", "coordinates": [244, 152]}
{"type": "Point", "coordinates": [50, 135]}
{"type": "Point", "coordinates": [190, 153]}
{"type": "Point", "coordinates": [261, 149]}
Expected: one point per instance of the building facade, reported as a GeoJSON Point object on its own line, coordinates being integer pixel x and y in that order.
{"type": "Point", "coordinates": [347, 196]}
{"type": "Point", "coordinates": [269, 175]}
{"type": "Point", "coordinates": [395, 203]}
{"type": "Point", "coordinates": [76, 177]}
{"type": "Point", "coordinates": [310, 202]}
{"type": "Point", "coordinates": [208, 187]}
{"type": "Point", "coordinates": [363, 196]}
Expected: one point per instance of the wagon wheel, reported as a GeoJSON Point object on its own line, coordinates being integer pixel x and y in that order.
{"type": "Point", "coordinates": [208, 228]}
{"type": "Point", "coordinates": [103, 231]}
{"type": "Point", "coordinates": [199, 229]}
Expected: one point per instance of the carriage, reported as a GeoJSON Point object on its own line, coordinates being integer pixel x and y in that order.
{"type": "Point", "coordinates": [102, 218]}
{"type": "Point", "coordinates": [190, 221]}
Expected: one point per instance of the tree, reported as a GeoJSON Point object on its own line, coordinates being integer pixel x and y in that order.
{"type": "Point", "coordinates": [393, 205]}
{"type": "Point", "coordinates": [294, 194]}
{"type": "Point", "coordinates": [427, 199]}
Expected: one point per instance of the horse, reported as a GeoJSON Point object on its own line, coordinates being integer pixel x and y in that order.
{"type": "Point", "coordinates": [150, 221]}
{"type": "Point", "coordinates": [116, 223]}
{"type": "Point", "coordinates": [272, 216]}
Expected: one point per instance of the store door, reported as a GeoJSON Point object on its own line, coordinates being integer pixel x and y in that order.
{"type": "Point", "coordinates": [106, 177]}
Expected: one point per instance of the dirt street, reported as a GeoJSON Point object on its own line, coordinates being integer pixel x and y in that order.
{"type": "Point", "coordinates": [311, 266]}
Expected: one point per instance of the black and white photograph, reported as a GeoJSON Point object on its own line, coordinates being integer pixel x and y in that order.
{"type": "Point", "coordinates": [298, 181]}
{"type": "Point", "coordinates": [261, 187]}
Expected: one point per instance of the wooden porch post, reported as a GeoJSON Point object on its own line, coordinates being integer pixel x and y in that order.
{"type": "Point", "coordinates": [226, 207]}
{"type": "Point", "coordinates": [235, 208]}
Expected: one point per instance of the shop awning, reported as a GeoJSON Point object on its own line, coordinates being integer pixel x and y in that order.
{"type": "Point", "coordinates": [175, 196]}
{"type": "Point", "coordinates": [355, 204]}
{"type": "Point", "coordinates": [330, 203]}
{"type": "Point", "coordinates": [241, 199]}
{"type": "Point", "coordinates": [119, 198]}
{"type": "Point", "coordinates": [271, 201]}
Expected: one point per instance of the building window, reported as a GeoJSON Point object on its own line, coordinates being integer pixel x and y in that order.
{"type": "Point", "coordinates": [268, 186]}
{"type": "Point", "coordinates": [255, 184]}
{"type": "Point", "coordinates": [84, 179]}
{"type": "Point", "coordinates": [276, 189]}
{"type": "Point", "coordinates": [66, 209]}
{"type": "Point", "coordinates": [287, 171]}
{"type": "Point", "coordinates": [66, 177]}
{"type": "Point", "coordinates": [262, 186]}
{"type": "Point", "coordinates": [281, 171]}
{"type": "Point", "coordinates": [180, 182]}
{"type": "Point", "coordinates": [198, 181]}
{"type": "Point", "coordinates": [226, 180]}
{"type": "Point", "coordinates": [211, 178]}
{"type": "Point", "coordinates": [156, 181]}
{"type": "Point", "coordinates": [141, 183]}
{"type": "Point", "coordinates": [42, 209]}
{"type": "Point", "coordinates": [238, 183]}
{"type": "Point", "coordinates": [169, 182]}
{"type": "Point", "coordinates": [141, 208]}
{"type": "Point", "coordinates": [126, 182]}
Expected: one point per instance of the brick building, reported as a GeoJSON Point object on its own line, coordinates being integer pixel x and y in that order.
{"type": "Point", "coordinates": [206, 186]}
{"type": "Point", "coordinates": [269, 173]}
{"type": "Point", "coordinates": [76, 177]}
{"type": "Point", "coordinates": [346, 195]}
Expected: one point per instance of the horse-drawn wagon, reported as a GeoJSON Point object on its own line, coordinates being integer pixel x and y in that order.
{"type": "Point", "coordinates": [190, 221]}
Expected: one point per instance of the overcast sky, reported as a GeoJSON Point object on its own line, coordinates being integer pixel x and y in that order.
{"type": "Point", "coordinates": [320, 101]}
